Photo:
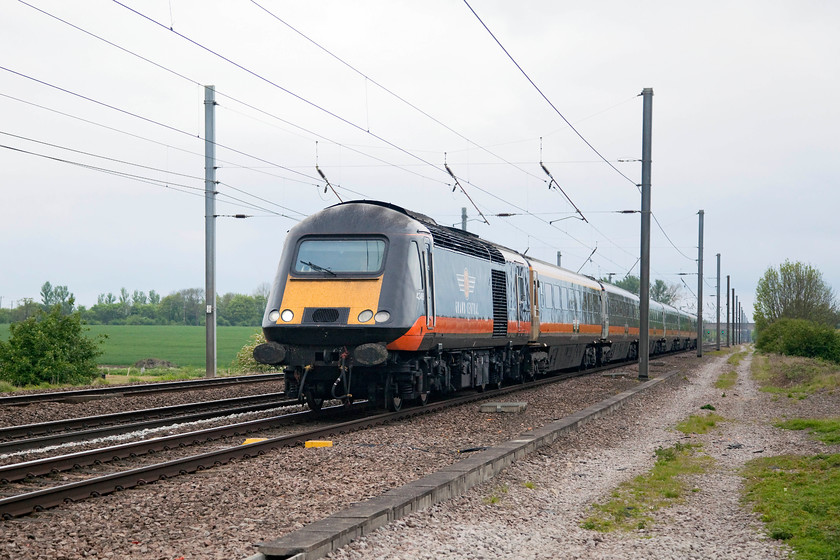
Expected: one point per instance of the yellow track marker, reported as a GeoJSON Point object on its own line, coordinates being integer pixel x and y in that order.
{"type": "Point", "coordinates": [317, 443]}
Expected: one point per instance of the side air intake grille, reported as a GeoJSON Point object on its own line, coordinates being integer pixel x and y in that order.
{"type": "Point", "coordinates": [500, 316]}
{"type": "Point", "coordinates": [464, 243]}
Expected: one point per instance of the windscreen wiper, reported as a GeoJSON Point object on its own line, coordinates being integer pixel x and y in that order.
{"type": "Point", "coordinates": [317, 267]}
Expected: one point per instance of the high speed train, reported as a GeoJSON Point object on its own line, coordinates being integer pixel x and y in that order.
{"type": "Point", "coordinates": [378, 302]}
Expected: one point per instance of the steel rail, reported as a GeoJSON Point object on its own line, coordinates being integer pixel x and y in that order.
{"type": "Point", "coordinates": [89, 422]}
{"type": "Point", "coordinates": [50, 465]}
{"type": "Point", "coordinates": [138, 389]}
{"type": "Point", "coordinates": [68, 437]}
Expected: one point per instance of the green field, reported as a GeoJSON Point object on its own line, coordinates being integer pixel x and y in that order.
{"type": "Point", "coordinates": [181, 345]}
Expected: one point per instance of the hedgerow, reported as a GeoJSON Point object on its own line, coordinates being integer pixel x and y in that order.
{"type": "Point", "coordinates": [798, 337]}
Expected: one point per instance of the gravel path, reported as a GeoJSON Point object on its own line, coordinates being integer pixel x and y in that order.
{"type": "Point", "coordinates": [544, 521]}
{"type": "Point", "coordinates": [221, 512]}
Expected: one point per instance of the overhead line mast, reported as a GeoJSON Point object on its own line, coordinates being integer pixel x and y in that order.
{"type": "Point", "coordinates": [644, 263]}
{"type": "Point", "coordinates": [210, 227]}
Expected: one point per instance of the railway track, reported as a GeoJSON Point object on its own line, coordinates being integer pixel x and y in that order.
{"type": "Point", "coordinates": [147, 388]}
{"type": "Point", "coordinates": [57, 432]}
{"type": "Point", "coordinates": [28, 500]}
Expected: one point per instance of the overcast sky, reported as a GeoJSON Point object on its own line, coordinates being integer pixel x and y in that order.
{"type": "Point", "coordinates": [745, 125]}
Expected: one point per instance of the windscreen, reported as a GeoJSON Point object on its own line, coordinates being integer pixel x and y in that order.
{"type": "Point", "coordinates": [337, 256]}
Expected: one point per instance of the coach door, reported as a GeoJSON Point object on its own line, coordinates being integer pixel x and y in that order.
{"type": "Point", "coordinates": [535, 305]}
{"type": "Point", "coordinates": [523, 306]}
{"type": "Point", "coordinates": [429, 284]}
{"type": "Point", "coordinates": [605, 316]}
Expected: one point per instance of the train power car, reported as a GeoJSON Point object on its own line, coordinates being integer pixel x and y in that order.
{"type": "Point", "coordinates": [377, 302]}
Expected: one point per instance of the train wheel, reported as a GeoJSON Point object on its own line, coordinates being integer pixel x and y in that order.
{"type": "Point", "coordinates": [424, 399]}
{"type": "Point", "coordinates": [314, 403]}
{"type": "Point", "coordinates": [393, 400]}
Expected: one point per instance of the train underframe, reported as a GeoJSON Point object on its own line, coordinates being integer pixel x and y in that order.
{"type": "Point", "coordinates": [416, 376]}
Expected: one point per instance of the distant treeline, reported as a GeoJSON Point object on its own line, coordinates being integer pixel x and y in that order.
{"type": "Point", "coordinates": [184, 307]}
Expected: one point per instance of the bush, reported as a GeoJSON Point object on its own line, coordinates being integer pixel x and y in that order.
{"type": "Point", "coordinates": [245, 362]}
{"type": "Point", "coordinates": [49, 347]}
{"type": "Point", "coordinates": [798, 337]}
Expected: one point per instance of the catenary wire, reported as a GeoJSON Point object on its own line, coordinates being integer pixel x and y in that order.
{"type": "Point", "coordinates": [146, 139]}
{"type": "Point", "coordinates": [186, 189]}
{"type": "Point", "coordinates": [222, 94]}
{"type": "Point", "coordinates": [392, 93]}
{"type": "Point", "coordinates": [147, 167]}
{"type": "Point", "coordinates": [605, 160]}
{"type": "Point", "coordinates": [253, 73]}
{"type": "Point", "coordinates": [278, 86]}
{"type": "Point", "coordinates": [556, 110]}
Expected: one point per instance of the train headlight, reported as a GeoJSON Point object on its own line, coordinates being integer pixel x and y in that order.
{"type": "Point", "coordinates": [287, 315]}
{"type": "Point", "coordinates": [382, 317]}
{"type": "Point", "coordinates": [273, 315]}
{"type": "Point", "coordinates": [365, 316]}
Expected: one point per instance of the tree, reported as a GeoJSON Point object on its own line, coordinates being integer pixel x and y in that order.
{"type": "Point", "coordinates": [47, 298]}
{"type": "Point", "coordinates": [794, 291]}
{"type": "Point", "coordinates": [49, 347]}
{"type": "Point", "coordinates": [664, 293]}
{"type": "Point", "coordinates": [629, 283]}
{"type": "Point", "coordinates": [139, 297]}
{"type": "Point", "coordinates": [63, 297]}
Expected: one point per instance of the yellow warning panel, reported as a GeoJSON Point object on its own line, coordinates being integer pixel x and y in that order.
{"type": "Point", "coordinates": [253, 440]}
{"type": "Point", "coordinates": [317, 443]}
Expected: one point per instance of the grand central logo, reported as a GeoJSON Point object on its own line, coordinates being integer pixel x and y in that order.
{"type": "Point", "coordinates": [466, 283]}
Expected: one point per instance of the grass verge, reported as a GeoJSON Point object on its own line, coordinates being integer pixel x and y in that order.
{"type": "Point", "coordinates": [726, 380]}
{"type": "Point", "coordinates": [795, 376]}
{"type": "Point", "coordinates": [799, 500]}
{"type": "Point", "coordinates": [632, 503]}
{"type": "Point", "coordinates": [826, 430]}
{"type": "Point", "coordinates": [735, 359]}
{"type": "Point", "coordinates": [699, 424]}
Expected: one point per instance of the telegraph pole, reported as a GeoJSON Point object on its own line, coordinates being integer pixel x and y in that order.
{"type": "Point", "coordinates": [717, 331]}
{"type": "Point", "coordinates": [700, 288]}
{"type": "Point", "coordinates": [644, 261]}
{"type": "Point", "coordinates": [463, 219]}
{"type": "Point", "coordinates": [210, 226]}
{"type": "Point", "coordinates": [559, 257]}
